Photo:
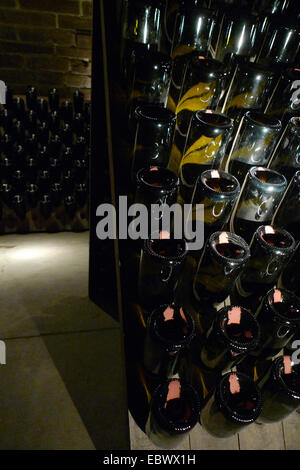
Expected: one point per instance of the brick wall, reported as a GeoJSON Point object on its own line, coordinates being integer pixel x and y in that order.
{"type": "Point", "coordinates": [46, 43]}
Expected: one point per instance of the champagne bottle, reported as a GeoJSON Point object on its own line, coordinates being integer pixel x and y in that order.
{"type": "Point", "coordinates": [42, 109]}
{"type": "Point", "coordinates": [235, 403]}
{"type": "Point", "coordinates": [54, 121]}
{"type": "Point", "coordinates": [288, 212]}
{"type": "Point", "coordinates": [32, 195]}
{"type": "Point", "coordinates": [18, 132]}
{"type": "Point", "coordinates": [81, 194]}
{"type": "Point", "coordinates": [19, 108]}
{"type": "Point", "coordinates": [66, 111]}
{"type": "Point", "coordinates": [31, 97]}
{"type": "Point", "coordinates": [201, 89]}
{"type": "Point", "coordinates": [260, 197]}
{"type": "Point", "coordinates": [19, 206]}
{"type": "Point", "coordinates": [284, 102]}
{"type": "Point", "coordinates": [7, 193]}
{"type": "Point", "coordinates": [160, 268]}
{"type": "Point", "coordinates": [280, 389]}
{"type": "Point", "coordinates": [153, 137]}
{"type": "Point", "coordinates": [56, 194]}
{"type": "Point", "coordinates": [207, 139]}
{"type": "Point", "coordinates": [254, 144]}
{"type": "Point", "coordinates": [224, 257]}
{"type": "Point", "coordinates": [31, 121]}
{"type": "Point", "coordinates": [278, 317]}
{"type": "Point", "coordinates": [271, 249]}
{"type": "Point", "coordinates": [289, 278]}
{"type": "Point", "coordinates": [45, 205]}
{"type": "Point", "coordinates": [78, 101]}
{"type": "Point", "coordinates": [249, 90]}
{"type": "Point", "coordinates": [6, 120]}
{"type": "Point", "coordinates": [53, 98]}
{"type": "Point", "coordinates": [43, 133]}
{"type": "Point", "coordinates": [238, 35]}
{"type": "Point", "coordinates": [174, 412]}
{"type": "Point", "coordinates": [193, 33]}
{"type": "Point", "coordinates": [169, 331]}
{"type": "Point", "coordinates": [218, 192]}
{"type": "Point", "coordinates": [233, 334]}
{"type": "Point", "coordinates": [286, 155]}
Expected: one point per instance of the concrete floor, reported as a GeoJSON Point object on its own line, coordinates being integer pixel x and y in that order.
{"type": "Point", "coordinates": [60, 386]}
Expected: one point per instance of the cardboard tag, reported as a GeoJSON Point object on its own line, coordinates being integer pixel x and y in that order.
{"type": "Point", "coordinates": [168, 313]}
{"type": "Point", "coordinates": [173, 391]}
{"type": "Point", "coordinates": [234, 384]}
{"type": "Point", "coordinates": [234, 316]}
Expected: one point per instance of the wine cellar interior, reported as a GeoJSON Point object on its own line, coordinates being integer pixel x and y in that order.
{"type": "Point", "coordinates": [151, 231]}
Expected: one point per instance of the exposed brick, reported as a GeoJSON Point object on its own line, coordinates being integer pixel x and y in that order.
{"type": "Point", "coordinates": [54, 63]}
{"type": "Point", "coordinates": [48, 78]}
{"type": "Point", "coordinates": [11, 61]}
{"type": "Point", "coordinates": [27, 18]}
{"type": "Point", "coordinates": [58, 6]}
{"type": "Point", "coordinates": [84, 41]}
{"type": "Point", "coordinates": [16, 47]}
{"type": "Point", "coordinates": [48, 36]}
{"type": "Point", "coordinates": [87, 8]}
{"type": "Point", "coordinates": [83, 67]}
{"type": "Point", "coordinates": [7, 32]}
{"type": "Point", "coordinates": [74, 22]}
{"type": "Point", "coordinates": [11, 76]}
{"type": "Point", "coordinates": [79, 81]}
{"type": "Point", "coordinates": [8, 3]}
{"type": "Point", "coordinates": [74, 52]}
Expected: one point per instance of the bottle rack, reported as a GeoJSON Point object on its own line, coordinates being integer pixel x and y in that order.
{"type": "Point", "coordinates": [113, 276]}
{"type": "Point", "coordinates": [44, 165]}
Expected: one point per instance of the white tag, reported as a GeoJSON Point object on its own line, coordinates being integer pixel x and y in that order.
{"type": "Point", "coordinates": [3, 89]}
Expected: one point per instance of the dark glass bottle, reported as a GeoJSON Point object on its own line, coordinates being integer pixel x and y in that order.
{"type": "Point", "coordinates": [286, 157]}
{"type": "Point", "coordinates": [235, 403]}
{"type": "Point", "coordinates": [6, 145]}
{"type": "Point", "coordinates": [218, 192]}
{"type": "Point", "coordinates": [6, 120]}
{"type": "Point", "coordinates": [151, 79]}
{"type": "Point", "coordinates": [234, 334]}
{"type": "Point", "coordinates": [78, 101]}
{"type": "Point", "coordinates": [193, 32]}
{"type": "Point", "coordinates": [31, 97]}
{"type": "Point", "coordinates": [19, 156]}
{"type": "Point", "coordinates": [78, 124]}
{"type": "Point", "coordinates": [31, 121]}
{"type": "Point", "coordinates": [54, 169]}
{"type": "Point", "coordinates": [66, 111]}
{"type": "Point", "coordinates": [208, 136]}
{"type": "Point", "coordinates": [31, 145]}
{"type": "Point", "coordinates": [54, 121]}
{"type": "Point", "coordinates": [42, 109]}
{"type": "Point", "coordinates": [280, 389]}
{"type": "Point", "coordinates": [238, 35]}
{"type": "Point", "coordinates": [43, 158]}
{"type": "Point", "coordinates": [290, 278]}
{"type": "Point", "coordinates": [284, 102]}
{"type": "Point", "coordinates": [288, 212]}
{"type": "Point", "coordinates": [32, 195]}
{"type": "Point", "coordinates": [18, 181]}
{"type": "Point", "coordinates": [19, 108]}
{"type": "Point", "coordinates": [43, 133]}
{"type": "Point", "coordinates": [79, 148]}
{"type": "Point", "coordinates": [19, 206]}
{"type": "Point", "coordinates": [281, 44]}
{"type": "Point", "coordinates": [53, 98]}
{"type": "Point", "coordinates": [80, 170]}
{"type": "Point", "coordinates": [67, 135]}
{"type": "Point", "coordinates": [278, 317]}
{"type": "Point", "coordinates": [174, 411]}
{"type": "Point", "coordinates": [202, 86]}
{"type": "Point", "coordinates": [156, 185]}
{"type": "Point", "coordinates": [160, 268]}
{"type": "Point", "coordinates": [6, 193]}
{"type": "Point", "coordinates": [253, 144]}
{"type": "Point", "coordinates": [18, 132]}
{"type": "Point", "coordinates": [68, 181]}
{"type": "Point", "coordinates": [7, 167]}
{"type": "Point", "coordinates": [56, 194]}
{"type": "Point", "coordinates": [153, 137]}
{"type": "Point", "coordinates": [55, 146]}
{"type": "Point", "coordinates": [81, 194]}
{"type": "Point", "coordinates": [169, 331]}
{"type": "Point", "coordinates": [67, 158]}
{"type": "Point", "coordinates": [70, 205]}
{"type": "Point", "coordinates": [44, 181]}
{"type": "Point", "coordinates": [259, 200]}
{"type": "Point", "coordinates": [87, 112]}
{"type": "Point", "coordinates": [46, 206]}
{"type": "Point", "coordinates": [141, 30]}
{"type": "Point", "coordinates": [223, 258]}
{"type": "Point", "coordinates": [249, 90]}
{"type": "Point", "coordinates": [271, 249]}
{"type": "Point", "coordinates": [31, 169]}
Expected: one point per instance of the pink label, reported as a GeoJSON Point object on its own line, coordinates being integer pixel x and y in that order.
{"type": "Point", "coordinates": [234, 384]}
{"type": "Point", "coordinates": [234, 315]}
{"type": "Point", "coordinates": [173, 391]}
{"type": "Point", "coordinates": [277, 297]}
{"type": "Point", "coordinates": [287, 363]}
{"type": "Point", "coordinates": [223, 238]}
{"type": "Point", "coordinates": [164, 235]}
{"type": "Point", "coordinates": [169, 313]}
{"type": "Point", "coordinates": [154, 168]}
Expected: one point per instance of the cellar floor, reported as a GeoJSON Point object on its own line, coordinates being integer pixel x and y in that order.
{"type": "Point", "coordinates": [57, 391]}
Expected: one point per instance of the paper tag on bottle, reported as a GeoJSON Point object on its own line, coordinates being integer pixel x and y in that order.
{"type": "Point", "coordinates": [168, 313]}
{"type": "Point", "coordinates": [164, 235]}
{"type": "Point", "coordinates": [277, 296]}
{"type": "Point", "coordinates": [174, 389]}
{"type": "Point", "coordinates": [234, 315]}
{"type": "Point", "coordinates": [234, 384]}
{"type": "Point", "coordinates": [154, 168]}
{"type": "Point", "coordinates": [287, 364]}
{"type": "Point", "coordinates": [3, 89]}
{"type": "Point", "coordinates": [223, 237]}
